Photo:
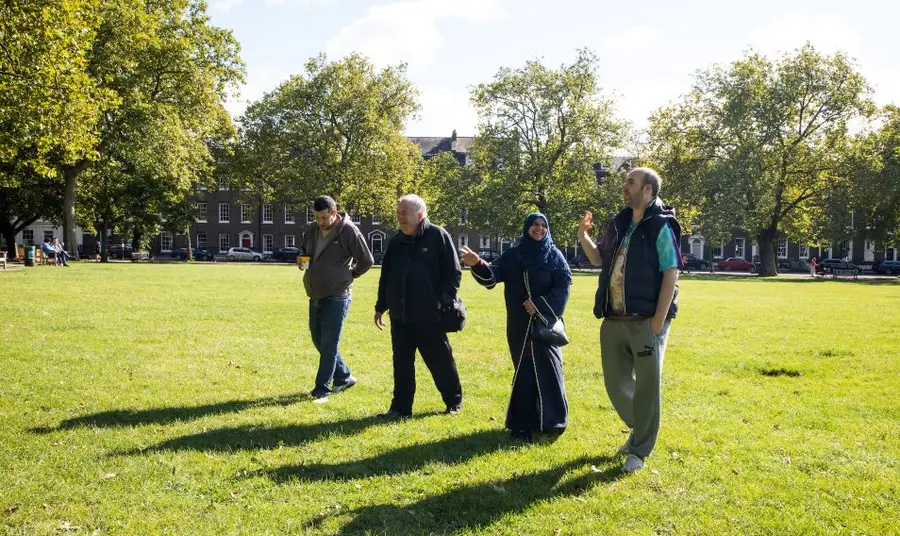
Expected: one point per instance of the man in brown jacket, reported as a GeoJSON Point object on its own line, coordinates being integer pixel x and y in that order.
{"type": "Point", "coordinates": [338, 254]}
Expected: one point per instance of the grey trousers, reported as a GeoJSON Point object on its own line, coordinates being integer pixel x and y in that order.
{"type": "Point", "coordinates": [632, 359]}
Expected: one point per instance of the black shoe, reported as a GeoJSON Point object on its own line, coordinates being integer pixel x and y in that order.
{"type": "Point", "coordinates": [521, 435]}
{"type": "Point", "coordinates": [348, 383]}
{"type": "Point", "coordinates": [453, 410]}
{"type": "Point", "coordinates": [392, 414]}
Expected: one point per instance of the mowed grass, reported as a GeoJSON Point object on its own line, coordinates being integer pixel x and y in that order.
{"type": "Point", "coordinates": [169, 399]}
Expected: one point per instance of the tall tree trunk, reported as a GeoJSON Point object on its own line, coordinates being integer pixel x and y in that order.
{"type": "Point", "coordinates": [104, 243]}
{"type": "Point", "coordinates": [71, 174]}
{"type": "Point", "coordinates": [190, 254]}
{"type": "Point", "coordinates": [9, 233]}
{"type": "Point", "coordinates": [766, 239]}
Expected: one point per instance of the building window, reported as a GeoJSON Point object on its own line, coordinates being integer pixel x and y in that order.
{"type": "Point", "coordinates": [717, 252]}
{"type": "Point", "coordinates": [165, 241]}
{"type": "Point", "coordinates": [355, 218]}
{"type": "Point", "coordinates": [201, 212]}
{"type": "Point", "coordinates": [222, 183]}
{"type": "Point", "coordinates": [485, 242]}
{"type": "Point", "coordinates": [463, 241]}
{"type": "Point", "coordinates": [201, 240]}
{"type": "Point", "coordinates": [28, 237]}
{"type": "Point", "coordinates": [739, 247]}
{"type": "Point", "coordinates": [804, 251]}
{"type": "Point", "coordinates": [267, 214]}
{"type": "Point", "coordinates": [288, 215]}
{"type": "Point", "coordinates": [268, 243]}
{"type": "Point", "coordinates": [224, 212]}
{"type": "Point", "coordinates": [783, 248]}
{"type": "Point", "coordinates": [376, 220]}
{"type": "Point", "coordinates": [224, 242]}
{"type": "Point", "coordinates": [464, 217]}
{"type": "Point", "coordinates": [890, 254]}
{"type": "Point", "coordinates": [48, 234]}
{"type": "Point", "coordinates": [289, 241]}
{"type": "Point", "coordinates": [245, 213]}
{"type": "Point", "coordinates": [377, 243]}
{"type": "Point", "coordinates": [310, 217]}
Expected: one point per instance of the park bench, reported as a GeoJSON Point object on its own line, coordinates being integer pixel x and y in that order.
{"type": "Point", "coordinates": [45, 259]}
{"type": "Point", "coordinates": [837, 273]}
{"type": "Point", "coordinates": [140, 256]}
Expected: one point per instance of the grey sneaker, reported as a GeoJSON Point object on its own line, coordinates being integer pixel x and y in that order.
{"type": "Point", "coordinates": [633, 463]}
{"type": "Point", "coordinates": [348, 383]}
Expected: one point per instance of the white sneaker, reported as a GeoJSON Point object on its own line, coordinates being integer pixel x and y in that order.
{"type": "Point", "coordinates": [632, 463]}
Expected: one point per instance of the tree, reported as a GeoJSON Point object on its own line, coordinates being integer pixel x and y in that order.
{"type": "Point", "coordinates": [48, 102]}
{"type": "Point", "coordinates": [540, 130]}
{"type": "Point", "coordinates": [337, 129]}
{"type": "Point", "coordinates": [867, 205]}
{"type": "Point", "coordinates": [757, 144]}
{"type": "Point", "coordinates": [169, 70]}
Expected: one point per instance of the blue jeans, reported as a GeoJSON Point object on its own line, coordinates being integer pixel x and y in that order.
{"type": "Point", "coordinates": [326, 319]}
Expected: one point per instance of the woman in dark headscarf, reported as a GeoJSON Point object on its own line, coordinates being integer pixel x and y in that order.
{"type": "Point", "coordinates": [538, 400]}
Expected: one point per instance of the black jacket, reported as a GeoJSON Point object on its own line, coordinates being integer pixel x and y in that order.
{"type": "Point", "coordinates": [418, 274]}
{"type": "Point", "coordinates": [643, 279]}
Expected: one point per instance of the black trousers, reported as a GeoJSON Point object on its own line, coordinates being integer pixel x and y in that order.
{"type": "Point", "coordinates": [435, 348]}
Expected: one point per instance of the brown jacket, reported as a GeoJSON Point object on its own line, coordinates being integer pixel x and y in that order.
{"type": "Point", "coordinates": [343, 259]}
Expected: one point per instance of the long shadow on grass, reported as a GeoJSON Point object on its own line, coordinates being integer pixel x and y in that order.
{"type": "Point", "coordinates": [264, 438]}
{"type": "Point", "coordinates": [806, 280]}
{"type": "Point", "coordinates": [450, 450]}
{"type": "Point", "coordinates": [472, 508]}
{"type": "Point", "coordinates": [125, 417]}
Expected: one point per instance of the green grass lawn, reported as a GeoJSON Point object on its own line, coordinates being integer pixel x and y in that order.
{"type": "Point", "coordinates": [170, 399]}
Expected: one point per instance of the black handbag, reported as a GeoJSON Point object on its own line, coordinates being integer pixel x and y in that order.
{"type": "Point", "coordinates": [553, 333]}
{"type": "Point", "coordinates": [453, 316]}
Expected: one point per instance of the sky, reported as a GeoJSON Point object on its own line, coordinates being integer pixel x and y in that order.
{"type": "Point", "coordinates": [649, 51]}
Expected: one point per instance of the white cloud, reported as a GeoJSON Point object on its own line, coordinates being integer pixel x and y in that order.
{"type": "Point", "coordinates": [443, 111]}
{"type": "Point", "coordinates": [260, 81]}
{"type": "Point", "coordinates": [634, 39]}
{"type": "Point", "coordinates": [227, 5]}
{"type": "Point", "coordinates": [406, 31]}
{"type": "Point", "coordinates": [828, 33]}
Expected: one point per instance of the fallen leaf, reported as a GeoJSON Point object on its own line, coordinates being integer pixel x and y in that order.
{"type": "Point", "coordinates": [107, 476]}
{"type": "Point", "coordinates": [235, 495]}
{"type": "Point", "coordinates": [595, 469]}
{"type": "Point", "coordinates": [66, 526]}
{"type": "Point", "coordinates": [654, 471]}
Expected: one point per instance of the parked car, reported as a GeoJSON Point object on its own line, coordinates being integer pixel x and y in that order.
{"type": "Point", "coordinates": [286, 254]}
{"type": "Point", "coordinates": [488, 254]}
{"type": "Point", "coordinates": [886, 267]}
{"type": "Point", "coordinates": [120, 251]}
{"type": "Point", "coordinates": [198, 254]}
{"type": "Point", "coordinates": [581, 261]}
{"type": "Point", "coordinates": [243, 254]}
{"type": "Point", "coordinates": [828, 266]}
{"type": "Point", "coordinates": [737, 263]}
{"type": "Point", "coordinates": [692, 262]}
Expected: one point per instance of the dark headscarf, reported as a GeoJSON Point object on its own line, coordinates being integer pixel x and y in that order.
{"type": "Point", "coordinates": [534, 254]}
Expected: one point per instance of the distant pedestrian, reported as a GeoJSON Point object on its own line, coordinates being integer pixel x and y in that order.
{"type": "Point", "coordinates": [813, 267]}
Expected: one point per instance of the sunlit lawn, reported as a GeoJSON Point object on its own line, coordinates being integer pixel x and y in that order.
{"type": "Point", "coordinates": [148, 399]}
